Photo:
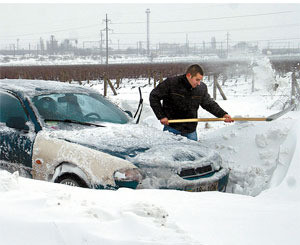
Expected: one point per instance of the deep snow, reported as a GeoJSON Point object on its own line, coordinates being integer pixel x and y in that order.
{"type": "Point", "coordinates": [261, 205]}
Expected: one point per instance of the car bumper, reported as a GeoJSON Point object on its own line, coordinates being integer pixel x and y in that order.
{"type": "Point", "coordinates": [218, 185]}
{"type": "Point", "coordinates": [216, 182]}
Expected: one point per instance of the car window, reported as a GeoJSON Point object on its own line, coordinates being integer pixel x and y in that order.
{"type": "Point", "coordinates": [10, 106]}
{"type": "Point", "coordinates": [79, 107]}
{"type": "Point", "coordinates": [107, 111]}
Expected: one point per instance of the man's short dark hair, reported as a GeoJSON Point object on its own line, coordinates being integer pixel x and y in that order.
{"type": "Point", "coordinates": [194, 69]}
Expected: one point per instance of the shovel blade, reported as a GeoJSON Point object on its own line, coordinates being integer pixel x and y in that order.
{"type": "Point", "coordinates": [281, 113]}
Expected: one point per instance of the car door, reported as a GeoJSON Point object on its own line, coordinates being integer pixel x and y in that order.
{"type": "Point", "coordinates": [16, 135]}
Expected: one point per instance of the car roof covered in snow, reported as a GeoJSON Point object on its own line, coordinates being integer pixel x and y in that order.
{"type": "Point", "coordinates": [37, 87]}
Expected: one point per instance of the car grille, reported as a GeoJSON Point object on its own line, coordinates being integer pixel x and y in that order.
{"type": "Point", "coordinates": [195, 172]}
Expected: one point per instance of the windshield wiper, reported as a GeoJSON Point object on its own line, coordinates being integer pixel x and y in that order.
{"type": "Point", "coordinates": [73, 121]}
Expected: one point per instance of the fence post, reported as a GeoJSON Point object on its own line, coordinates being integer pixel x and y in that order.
{"type": "Point", "coordinates": [215, 87]}
{"type": "Point", "coordinates": [118, 82]}
{"type": "Point", "coordinates": [253, 81]}
{"type": "Point", "coordinates": [221, 91]}
{"type": "Point", "coordinates": [296, 83]}
{"type": "Point", "coordinates": [111, 86]}
{"type": "Point", "coordinates": [224, 79]}
{"type": "Point", "coordinates": [105, 87]}
{"type": "Point", "coordinates": [149, 77]}
{"type": "Point", "coordinates": [295, 86]}
{"type": "Point", "coordinates": [161, 78]}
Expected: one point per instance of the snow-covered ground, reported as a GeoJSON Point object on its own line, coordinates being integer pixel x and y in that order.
{"type": "Point", "coordinates": [261, 206]}
{"type": "Point", "coordinates": [71, 59]}
{"type": "Point", "coordinates": [33, 60]}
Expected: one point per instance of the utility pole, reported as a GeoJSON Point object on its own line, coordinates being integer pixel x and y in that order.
{"type": "Point", "coordinates": [227, 41]}
{"type": "Point", "coordinates": [101, 34]}
{"type": "Point", "coordinates": [14, 48]}
{"type": "Point", "coordinates": [148, 31]}
{"type": "Point", "coordinates": [18, 44]}
{"type": "Point", "coordinates": [221, 52]}
{"type": "Point", "coordinates": [52, 45]}
{"type": "Point", "coordinates": [106, 78]}
{"type": "Point", "coordinates": [186, 44]}
{"type": "Point", "coordinates": [106, 30]}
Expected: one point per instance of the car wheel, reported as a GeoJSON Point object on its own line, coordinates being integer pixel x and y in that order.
{"type": "Point", "coordinates": [71, 180]}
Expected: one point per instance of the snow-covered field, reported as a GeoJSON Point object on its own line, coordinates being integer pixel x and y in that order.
{"type": "Point", "coordinates": [261, 206]}
{"type": "Point", "coordinates": [33, 60]}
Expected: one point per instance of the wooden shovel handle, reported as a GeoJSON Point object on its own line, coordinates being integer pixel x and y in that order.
{"type": "Point", "coordinates": [217, 119]}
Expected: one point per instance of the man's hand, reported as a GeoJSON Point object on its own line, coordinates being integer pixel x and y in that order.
{"type": "Point", "coordinates": [228, 118]}
{"type": "Point", "coordinates": [164, 121]}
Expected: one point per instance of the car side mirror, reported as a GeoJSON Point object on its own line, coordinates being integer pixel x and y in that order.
{"type": "Point", "coordinates": [129, 113]}
{"type": "Point", "coordinates": [17, 123]}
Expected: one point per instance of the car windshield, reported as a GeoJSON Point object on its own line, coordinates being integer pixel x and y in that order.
{"type": "Point", "coordinates": [78, 107]}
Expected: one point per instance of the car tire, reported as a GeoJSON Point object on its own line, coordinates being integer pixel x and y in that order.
{"type": "Point", "coordinates": [72, 180]}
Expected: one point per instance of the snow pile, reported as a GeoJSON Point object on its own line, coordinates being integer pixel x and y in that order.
{"type": "Point", "coordinates": [286, 174]}
{"type": "Point", "coordinates": [8, 181]}
{"type": "Point", "coordinates": [251, 151]}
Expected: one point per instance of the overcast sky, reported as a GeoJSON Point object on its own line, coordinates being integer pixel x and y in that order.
{"type": "Point", "coordinates": [169, 22]}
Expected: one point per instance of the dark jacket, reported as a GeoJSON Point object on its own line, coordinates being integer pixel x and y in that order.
{"type": "Point", "coordinates": [180, 101]}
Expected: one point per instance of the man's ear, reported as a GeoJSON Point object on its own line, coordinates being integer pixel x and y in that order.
{"type": "Point", "coordinates": [188, 75]}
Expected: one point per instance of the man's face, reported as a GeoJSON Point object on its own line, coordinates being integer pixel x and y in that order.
{"type": "Point", "coordinates": [195, 80]}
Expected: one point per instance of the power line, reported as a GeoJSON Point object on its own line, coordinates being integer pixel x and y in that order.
{"type": "Point", "coordinates": [154, 22]}
{"type": "Point", "coordinates": [229, 41]}
{"type": "Point", "coordinates": [202, 19]}
{"type": "Point", "coordinates": [161, 33]}
{"type": "Point", "coordinates": [224, 17]}
{"type": "Point", "coordinates": [233, 29]}
{"type": "Point", "coordinates": [131, 33]}
{"type": "Point", "coordinates": [51, 32]}
{"type": "Point", "coordinates": [212, 30]}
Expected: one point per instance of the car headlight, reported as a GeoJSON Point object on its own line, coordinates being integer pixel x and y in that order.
{"type": "Point", "coordinates": [128, 175]}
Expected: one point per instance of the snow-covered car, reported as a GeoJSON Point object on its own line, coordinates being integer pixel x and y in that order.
{"type": "Point", "coordinates": [71, 134]}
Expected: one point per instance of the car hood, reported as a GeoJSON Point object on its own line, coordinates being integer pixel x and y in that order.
{"type": "Point", "coordinates": [142, 145]}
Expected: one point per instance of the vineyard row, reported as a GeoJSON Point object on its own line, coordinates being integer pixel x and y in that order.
{"type": "Point", "coordinates": [118, 71]}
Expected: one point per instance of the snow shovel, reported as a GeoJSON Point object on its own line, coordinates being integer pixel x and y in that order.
{"type": "Point", "coordinates": [269, 118]}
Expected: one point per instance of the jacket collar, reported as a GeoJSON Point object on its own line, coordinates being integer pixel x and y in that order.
{"type": "Point", "coordinates": [185, 82]}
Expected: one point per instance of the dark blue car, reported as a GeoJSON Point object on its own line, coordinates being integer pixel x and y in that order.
{"type": "Point", "coordinates": [71, 134]}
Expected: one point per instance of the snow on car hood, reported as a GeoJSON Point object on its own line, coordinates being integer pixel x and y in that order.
{"type": "Point", "coordinates": [142, 145]}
